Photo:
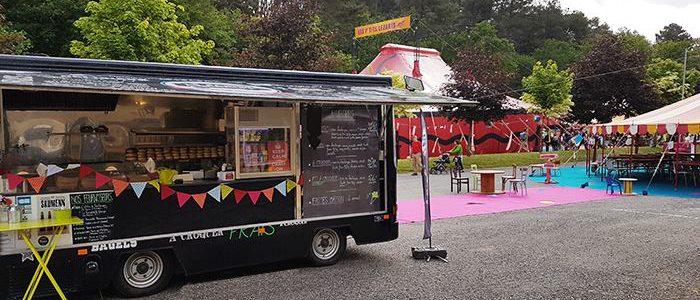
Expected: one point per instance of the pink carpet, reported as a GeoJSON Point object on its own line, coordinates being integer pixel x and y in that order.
{"type": "Point", "coordinates": [464, 204]}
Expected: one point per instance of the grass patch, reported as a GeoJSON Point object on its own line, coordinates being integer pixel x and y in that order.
{"type": "Point", "coordinates": [521, 159]}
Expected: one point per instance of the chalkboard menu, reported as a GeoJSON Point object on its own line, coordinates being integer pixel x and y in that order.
{"type": "Point", "coordinates": [340, 154]}
{"type": "Point", "coordinates": [96, 210]}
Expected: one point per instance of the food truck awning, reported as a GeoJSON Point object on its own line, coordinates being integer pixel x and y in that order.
{"type": "Point", "coordinates": [121, 77]}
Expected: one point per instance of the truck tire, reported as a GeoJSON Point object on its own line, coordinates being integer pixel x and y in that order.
{"type": "Point", "coordinates": [143, 273]}
{"type": "Point", "coordinates": [327, 247]}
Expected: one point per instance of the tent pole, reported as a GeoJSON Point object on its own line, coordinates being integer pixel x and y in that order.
{"type": "Point", "coordinates": [675, 149]}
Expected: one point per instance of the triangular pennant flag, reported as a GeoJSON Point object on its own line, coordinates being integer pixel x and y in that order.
{"type": "Point", "coordinates": [72, 166]}
{"type": "Point", "coordinates": [37, 182]}
{"type": "Point", "coordinates": [290, 185]}
{"type": "Point", "coordinates": [165, 191]}
{"type": "Point", "coordinates": [101, 180]}
{"type": "Point", "coordinates": [182, 198]}
{"type": "Point", "coordinates": [215, 193]}
{"type": "Point", "coordinates": [119, 186]}
{"type": "Point", "coordinates": [238, 195]}
{"type": "Point", "coordinates": [85, 171]}
{"type": "Point", "coordinates": [14, 180]}
{"type": "Point", "coordinates": [138, 188]}
{"type": "Point", "coordinates": [225, 190]}
{"type": "Point", "coordinates": [155, 184]}
{"type": "Point", "coordinates": [254, 196]}
{"type": "Point", "coordinates": [282, 188]}
{"type": "Point", "coordinates": [269, 193]}
{"type": "Point", "coordinates": [41, 169]}
{"type": "Point", "coordinates": [53, 169]}
{"type": "Point", "coordinates": [199, 198]}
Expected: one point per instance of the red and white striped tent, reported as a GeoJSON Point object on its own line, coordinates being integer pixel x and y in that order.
{"type": "Point", "coordinates": [681, 117]}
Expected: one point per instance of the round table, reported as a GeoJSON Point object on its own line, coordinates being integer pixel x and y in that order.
{"type": "Point", "coordinates": [627, 186]}
{"type": "Point", "coordinates": [488, 181]}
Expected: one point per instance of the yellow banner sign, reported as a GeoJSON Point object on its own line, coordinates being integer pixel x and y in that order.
{"type": "Point", "coordinates": [383, 27]}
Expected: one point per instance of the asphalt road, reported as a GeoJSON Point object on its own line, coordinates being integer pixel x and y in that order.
{"type": "Point", "coordinates": [628, 248]}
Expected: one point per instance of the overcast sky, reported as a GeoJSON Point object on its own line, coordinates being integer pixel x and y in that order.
{"type": "Point", "coordinates": [645, 16]}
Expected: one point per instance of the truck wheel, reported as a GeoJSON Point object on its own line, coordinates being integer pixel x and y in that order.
{"type": "Point", "coordinates": [327, 247]}
{"type": "Point", "coordinates": [143, 273]}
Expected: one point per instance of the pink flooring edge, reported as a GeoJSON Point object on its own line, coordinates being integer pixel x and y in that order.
{"type": "Point", "coordinates": [465, 204]}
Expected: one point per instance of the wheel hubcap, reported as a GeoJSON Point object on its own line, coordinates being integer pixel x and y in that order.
{"type": "Point", "coordinates": [326, 244]}
{"type": "Point", "coordinates": [142, 270]}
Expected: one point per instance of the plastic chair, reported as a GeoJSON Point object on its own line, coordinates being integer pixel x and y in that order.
{"type": "Point", "coordinates": [476, 178]}
{"type": "Point", "coordinates": [519, 185]}
{"type": "Point", "coordinates": [612, 184]}
{"type": "Point", "coordinates": [456, 180]}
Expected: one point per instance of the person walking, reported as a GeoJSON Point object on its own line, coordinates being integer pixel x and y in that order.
{"type": "Point", "coordinates": [416, 149]}
{"type": "Point", "coordinates": [457, 151]}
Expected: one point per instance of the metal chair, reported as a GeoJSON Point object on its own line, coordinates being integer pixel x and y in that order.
{"type": "Point", "coordinates": [456, 180]}
{"type": "Point", "coordinates": [519, 185]}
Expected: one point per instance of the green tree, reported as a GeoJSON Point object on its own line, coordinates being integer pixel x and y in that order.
{"type": "Point", "coordinates": [563, 52]}
{"type": "Point", "coordinates": [633, 41]}
{"type": "Point", "coordinates": [667, 77]}
{"type": "Point", "coordinates": [47, 23]}
{"type": "Point", "coordinates": [611, 82]}
{"type": "Point", "coordinates": [220, 26]}
{"type": "Point", "coordinates": [548, 89]}
{"type": "Point", "coordinates": [673, 32]}
{"type": "Point", "coordinates": [289, 35]}
{"type": "Point", "coordinates": [11, 41]}
{"type": "Point", "coordinates": [139, 30]}
{"type": "Point", "coordinates": [676, 51]}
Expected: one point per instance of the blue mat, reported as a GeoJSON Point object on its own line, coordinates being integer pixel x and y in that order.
{"type": "Point", "coordinates": [662, 186]}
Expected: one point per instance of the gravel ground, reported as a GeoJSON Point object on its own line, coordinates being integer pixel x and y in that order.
{"type": "Point", "coordinates": [628, 248]}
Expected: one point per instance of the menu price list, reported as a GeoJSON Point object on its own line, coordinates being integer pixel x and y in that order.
{"type": "Point", "coordinates": [96, 210]}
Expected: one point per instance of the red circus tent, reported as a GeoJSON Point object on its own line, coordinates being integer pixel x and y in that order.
{"type": "Point", "coordinates": [499, 137]}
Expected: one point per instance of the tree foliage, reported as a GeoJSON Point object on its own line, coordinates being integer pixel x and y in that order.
{"type": "Point", "coordinates": [11, 41]}
{"type": "Point", "coordinates": [667, 77]}
{"type": "Point", "coordinates": [477, 75]}
{"type": "Point", "coordinates": [548, 89]}
{"type": "Point", "coordinates": [47, 23]}
{"type": "Point", "coordinates": [611, 82]}
{"type": "Point", "coordinates": [220, 26]}
{"type": "Point", "coordinates": [564, 53]}
{"type": "Point", "coordinates": [289, 35]}
{"type": "Point", "coordinates": [398, 82]}
{"type": "Point", "coordinates": [139, 30]}
{"type": "Point", "coordinates": [673, 32]}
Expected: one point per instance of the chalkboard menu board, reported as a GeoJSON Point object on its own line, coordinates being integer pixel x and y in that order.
{"type": "Point", "coordinates": [340, 164]}
{"type": "Point", "coordinates": [97, 211]}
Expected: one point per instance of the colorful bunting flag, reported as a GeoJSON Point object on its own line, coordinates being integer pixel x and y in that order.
{"type": "Point", "coordinates": [282, 188]}
{"type": "Point", "coordinates": [72, 166]}
{"type": "Point", "coordinates": [165, 192]}
{"type": "Point", "coordinates": [225, 190]}
{"type": "Point", "coordinates": [290, 185]}
{"type": "Point", "coordinates": [53, 169]}
{"type": "Point", "coordinates": [269, 193]}
{"type": "Point", "coordinates": [254, 196]}
{"type": "Point", "coordinates": [85, 171]}
{"type": "Point", "coordinates": [182, 198]}
{"type": "Point", "coordinates": [14, 180]}
{"type": "Point", "coordinates": [119, 186]}
{"type": "Point", "coordinates": [138, 188]}
{"type": "Point", "coordinates": [37, 182]}
{"type": "Point", "coordinates": [155, 184]}
{"type": "Point", "coordinates": [41, 169]}
{"type": "Point", "coordinates": [199, 198]}
{"type": "Point", "coordinates": [238, 195]}
{"type": "Point", "coordinates": [215, 193]}
{"type": "Point", "coordinates": [101, 180]}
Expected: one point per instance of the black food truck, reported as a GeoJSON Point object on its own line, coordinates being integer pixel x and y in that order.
{"type": "Point", "coordinates": [190, 169]}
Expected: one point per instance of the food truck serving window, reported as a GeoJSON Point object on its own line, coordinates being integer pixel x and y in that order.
{"type": "Point", "coordinates": [264, 141]}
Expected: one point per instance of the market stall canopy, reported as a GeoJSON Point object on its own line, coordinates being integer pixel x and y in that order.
{"type": "Point", "coordinates": [682, 117]}
{"type": "Point", "coordinates": [124, 77]}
